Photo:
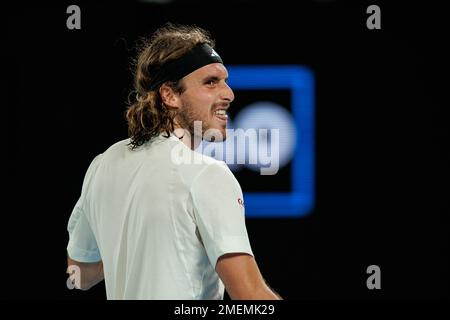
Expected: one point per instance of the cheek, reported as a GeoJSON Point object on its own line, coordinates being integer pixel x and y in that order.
{"type": "Point", "coordinates": [201, 103]}
{"type": "Point", "coordinates": [205, 105]}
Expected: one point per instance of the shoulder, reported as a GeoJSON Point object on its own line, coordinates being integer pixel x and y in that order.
{"type": "Point", "coordinates": [120, 147]}
{"type": "Point", "coordinates": [217, 176]}
{"type": "Point", "coordinates": [111, 152]}
{"type": "Point", "coordinates": [192, 165]}
{"type": "Point", "coordinates": [213, 167]}
{"type": "Point", "coordinates": [94, 165]}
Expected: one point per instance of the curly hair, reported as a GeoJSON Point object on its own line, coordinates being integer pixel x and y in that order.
{"type": "Point", "coordinates": [147, 116]}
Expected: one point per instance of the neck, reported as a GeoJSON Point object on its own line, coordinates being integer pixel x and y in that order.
{"type": "Point", "coordinates": [191, 141]}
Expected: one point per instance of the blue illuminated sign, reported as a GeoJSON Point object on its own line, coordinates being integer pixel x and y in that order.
{"type": "Point", "coordinates": [300, 80]}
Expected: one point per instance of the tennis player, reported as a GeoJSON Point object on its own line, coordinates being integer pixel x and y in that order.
{"type": "Point", "coordinates": [155, 219]}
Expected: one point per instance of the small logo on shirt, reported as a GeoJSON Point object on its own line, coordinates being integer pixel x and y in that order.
{"type": "Point", "coordinates": [241, 202]}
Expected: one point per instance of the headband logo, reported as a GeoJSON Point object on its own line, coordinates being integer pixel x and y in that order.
{"type": "Point", "coordinates": [214, 53]}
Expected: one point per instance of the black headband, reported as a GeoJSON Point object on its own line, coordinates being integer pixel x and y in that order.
{"type": "Point", "coordinates": [200, 56]}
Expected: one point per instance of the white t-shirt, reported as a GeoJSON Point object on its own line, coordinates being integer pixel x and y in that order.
{"type": "Point", "coordinates": [159, 224]}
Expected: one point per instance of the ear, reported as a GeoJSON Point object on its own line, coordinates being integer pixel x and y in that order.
{"type": "Point", "coordinates": [169, 97]}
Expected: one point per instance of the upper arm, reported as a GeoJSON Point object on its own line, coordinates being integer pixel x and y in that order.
{"type": "Point", "coordinates": [82, 244]}
{"type": "Point", "coordinates": [84, 259]}
{"type": "Point", "coordinates": [242, 278]}
{"type": "Point", "coordinates": [219, 215]}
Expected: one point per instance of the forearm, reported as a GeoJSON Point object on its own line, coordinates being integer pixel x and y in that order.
{"type": "Point", "coordinates": [269, 294]}
{"type": "Point", "coordinates": [91, 276]}
{"type": "Point", "coordinates": [242, 278]}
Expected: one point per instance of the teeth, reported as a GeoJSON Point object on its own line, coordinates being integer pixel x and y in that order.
{"type": "Point", "coordinates": [221, 112]}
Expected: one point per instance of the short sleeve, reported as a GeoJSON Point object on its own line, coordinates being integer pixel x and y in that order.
{"type": "Point", "coordinates": [82, 245]}
{"type": "Point", "coordinates": [219, 212]}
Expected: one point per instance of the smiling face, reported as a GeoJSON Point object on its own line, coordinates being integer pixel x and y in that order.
{"type": "Point", "coordinates": [206, 98]}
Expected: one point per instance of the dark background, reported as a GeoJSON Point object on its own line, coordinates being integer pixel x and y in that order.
{"type": "Point", "coordinates": [382, 167]}
{"type": "Point", "coordinates": [252, 180]}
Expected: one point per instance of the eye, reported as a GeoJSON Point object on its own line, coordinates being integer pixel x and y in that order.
{"type": "Point", "coordinates": [211, 82]}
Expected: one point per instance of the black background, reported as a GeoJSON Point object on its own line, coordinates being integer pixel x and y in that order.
{"type": "Point", "coordinates": [381, 137]}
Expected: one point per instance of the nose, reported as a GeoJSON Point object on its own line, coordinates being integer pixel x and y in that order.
{"type": "Point", "coordinates": [227, 93]}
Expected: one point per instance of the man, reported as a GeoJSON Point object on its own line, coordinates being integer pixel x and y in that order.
{"type": "Point", "coordinates": [155, 219]}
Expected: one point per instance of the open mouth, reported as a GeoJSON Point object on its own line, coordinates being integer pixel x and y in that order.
{"type": "Point", "coordinates": [221, 114]}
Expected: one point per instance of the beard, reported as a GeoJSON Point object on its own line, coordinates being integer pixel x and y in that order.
{"type": "Point", "coordinates": [187, 116]}
{"type": "Point", "coordinates": [189, 120]}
